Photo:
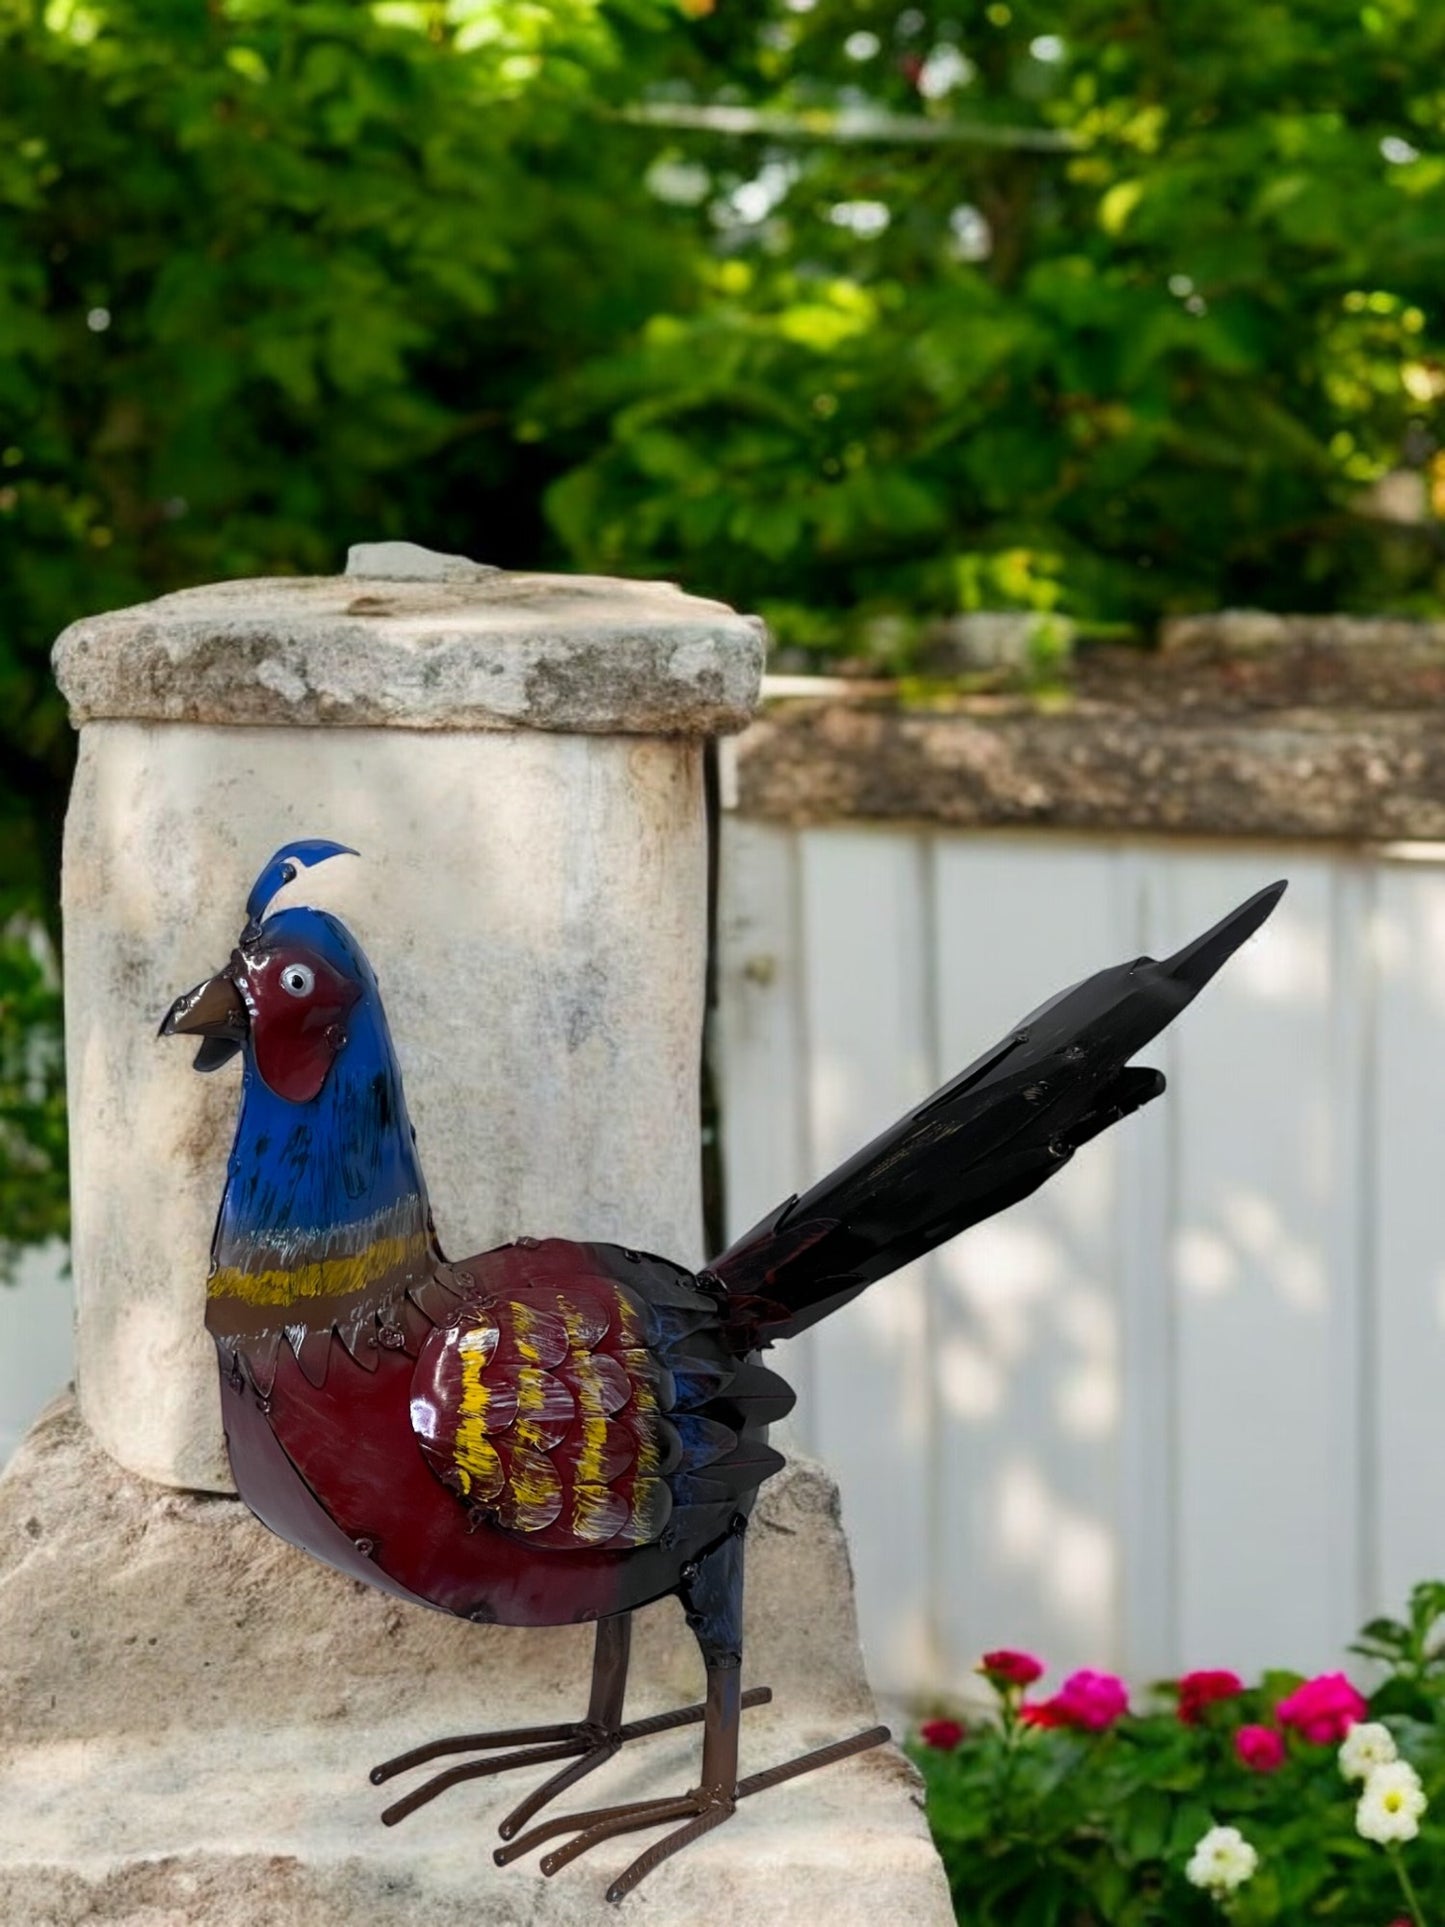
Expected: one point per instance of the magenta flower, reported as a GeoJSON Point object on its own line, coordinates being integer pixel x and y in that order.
{"type": "Point", "coordinates": [1198, 1690]}
{"type": "Point", "coordinates": [1091, 1700]}
{"type": "Point", "coordinates": [1007, 1668]}
{"type": "Point", "coordinates": [1260, 1748]}
{"type": "Point", "coordinates": [1323, 1710]}
{"type": "Point", "coordinates": [945, 1735]}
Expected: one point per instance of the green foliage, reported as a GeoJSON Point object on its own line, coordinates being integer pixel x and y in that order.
{"type": "Point", "coordinates": [277, 275]}
{"type": "Point", "coordinates": [33, 1198]}
{"type": "Point", "coordinates": [1155, 370]}
{"type": "Point", "coordinates": [1060, 1828]}
{"type": "Point", "coordinates": [1096, 309]}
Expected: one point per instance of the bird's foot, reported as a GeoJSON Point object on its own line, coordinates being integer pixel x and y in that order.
{"type": "Point", "coordinates": [583, 1744]}
{"type": "Point", "coordinates": [699, 1811]}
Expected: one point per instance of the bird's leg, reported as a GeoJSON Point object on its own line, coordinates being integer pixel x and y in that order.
{"type": "Point", "coordinates": [583, 1744]}
{"type": "Point", "coordinates": [711, 1593]}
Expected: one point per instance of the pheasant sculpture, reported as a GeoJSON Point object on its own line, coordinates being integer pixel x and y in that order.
{"type": "Point", "coordinates": [553, 1432]}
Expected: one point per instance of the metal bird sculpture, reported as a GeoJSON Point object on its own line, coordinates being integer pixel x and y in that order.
{"type": "Point", "coordinates": [553, 1432]}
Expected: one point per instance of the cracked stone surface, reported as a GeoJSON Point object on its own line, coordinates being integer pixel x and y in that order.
{"type": "Point", "coordinates": [440, 643]}
{"type": "Point", "coordinates": [190, 1707]}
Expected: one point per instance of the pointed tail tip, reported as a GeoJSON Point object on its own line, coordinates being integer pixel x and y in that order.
{"type": "Point", "coordinates": [1197, 962]}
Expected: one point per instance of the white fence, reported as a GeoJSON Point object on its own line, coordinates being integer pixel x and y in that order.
{"type": "Point", "coordinates": [1186, 1406]}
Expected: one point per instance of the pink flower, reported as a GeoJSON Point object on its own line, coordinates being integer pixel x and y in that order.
{"type": "Point", "coordinates": [1006, 1668]}
{"type": "Point", "coordinates": [1091, 1700]}
{"type": "Point", "coordinates": [1198, 1690]}
{"type": "Point", "coordinates": [943, 1734]}
{"type": "Point", "coordinates": [1323, 1710]}
{"type": "Point", "coordinates": [1260, 1748]}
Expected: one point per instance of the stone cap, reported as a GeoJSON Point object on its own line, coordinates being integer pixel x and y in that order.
{"type": "Point", "coordinates": [1305, 773]}
{"type": "Point", "coordinates": [413, 640]}
{"type": "Point", "coordinates": [1242, 723]}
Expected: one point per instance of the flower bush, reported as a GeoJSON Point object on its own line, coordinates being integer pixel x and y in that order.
{"type": "Point", "coordinates": [1288, 1801]}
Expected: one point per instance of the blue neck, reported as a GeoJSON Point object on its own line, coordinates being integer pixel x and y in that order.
{"type": "Point", "coordinates": [299, 1173]}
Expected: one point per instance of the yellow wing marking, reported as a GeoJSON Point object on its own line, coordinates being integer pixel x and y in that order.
{"type": "Point", "coordinates": [544, 1410]}
{"type": "Point", "coordinates": [593, 1414]}
{"type": "Point", "coordinates": [476, 1461]}
{"type": "Point", "coordinates": [539, 1336]}
{"type": "Point", "coordinates": [651, 1510]}
{"type": "Point", "coordinates": [533, 1496]}
{"type": "Point", "coordinates": [597, 1513]}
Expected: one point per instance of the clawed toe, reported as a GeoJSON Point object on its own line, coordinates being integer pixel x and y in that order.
{"type": "Point", "coordinates": [583, 1745]}
{"type": "Point", "coordinates": [700, 1812]}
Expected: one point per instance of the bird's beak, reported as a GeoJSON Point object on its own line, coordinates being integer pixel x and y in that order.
{"type": "Point", "coordinates": [216, 1013]}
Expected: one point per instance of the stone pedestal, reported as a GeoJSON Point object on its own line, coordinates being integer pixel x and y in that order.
{"type": "Point", "coordinates": [518, 760]}
{"type": "Point", "coordinates": [190, 1706]}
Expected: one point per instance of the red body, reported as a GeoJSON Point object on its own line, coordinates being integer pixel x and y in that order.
{"type": "Point", "coordinates": [350, 1458]}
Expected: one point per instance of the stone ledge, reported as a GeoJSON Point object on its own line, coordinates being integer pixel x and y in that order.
{"type": "Point", "coordinates": [488, 651]}
{"type": "Point", "coordinates": [191, 1705]}
{"type": "Point", "coordinates": [1307, 773]}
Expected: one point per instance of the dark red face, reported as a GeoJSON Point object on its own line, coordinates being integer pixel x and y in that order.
{"type": "Point", "coordinates": [298, 1004]}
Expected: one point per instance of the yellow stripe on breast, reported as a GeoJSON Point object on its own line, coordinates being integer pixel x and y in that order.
{"type": "Point", "coordinates": [321, 1277]}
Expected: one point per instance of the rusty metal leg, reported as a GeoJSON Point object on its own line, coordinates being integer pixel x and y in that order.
{"type": "Point", "coordinates": [584, 1744]}
{"type": "Point", "coordinates": [610, 1658]}
{"type": "Point", "coordinates": [712, 1599]}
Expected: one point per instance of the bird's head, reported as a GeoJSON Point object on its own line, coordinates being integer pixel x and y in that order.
{"type": "Point", "coordinates": [289, 992]}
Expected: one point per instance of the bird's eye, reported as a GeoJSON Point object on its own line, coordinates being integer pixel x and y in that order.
{"type": "Point", "coordinates": [298, 980]}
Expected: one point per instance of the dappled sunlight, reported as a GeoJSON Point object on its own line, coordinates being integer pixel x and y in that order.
{"type": "Point", "coordinates": [896, 1315]}
{"type": "Point", "coordinates": [1072, 1554]}
{"type": "Point", "coordinates": [1288, 965]}
{"type": "Point", "coordinates": [972, 1385]}
{"type": "Point", "coordinates": [1206, 1263]}
{"type": "Point", "coordinates": [999, 1276]}
{"type": "Point", "coordinates": [1251, 1245]}
{"type": "Point", "coordinates": [1427, 955]}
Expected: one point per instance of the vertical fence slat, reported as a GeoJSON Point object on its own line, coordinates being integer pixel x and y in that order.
{"type": "Point", "coordinates": [865, 973]}
{"type": "Point", "coordinates": [1262, 1534]}
{"type": "Point", "coordinates": [1027, 1316]}
{"type": "Point", "coordinates": [760, 1059]}
{"type": "Point", "coordinates": [1148, 1634]}
{"type": "Point", "coordinates": [1409, 1361]}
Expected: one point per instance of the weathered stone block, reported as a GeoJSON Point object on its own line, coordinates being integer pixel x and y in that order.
{"type": "Point", "coordinates": [190, 1707]}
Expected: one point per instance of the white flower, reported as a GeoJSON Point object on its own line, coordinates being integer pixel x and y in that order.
{"type": "Point", "coordinates": [1222, 1861]}
{"type": "Point", "coordinates": [1366, 1746]}
{"type": "Point", "coordinates": [1391, 1804]}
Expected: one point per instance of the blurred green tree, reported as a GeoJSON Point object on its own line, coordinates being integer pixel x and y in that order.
{"type": "Point", "coordinates": [860, 313]}
{"type": "Point", "coordinates": [1099, 305]}
{"type": "Point", "coordinates": [275, 275]}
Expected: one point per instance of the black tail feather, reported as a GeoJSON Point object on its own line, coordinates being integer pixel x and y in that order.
{"type": "Point", "coordinates": [994, 1134]}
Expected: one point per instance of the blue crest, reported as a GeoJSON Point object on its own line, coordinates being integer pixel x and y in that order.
{"type": "Point", "coordinates": [281, 870]}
